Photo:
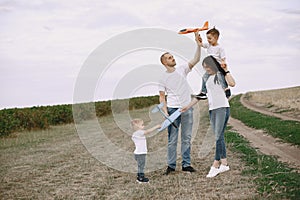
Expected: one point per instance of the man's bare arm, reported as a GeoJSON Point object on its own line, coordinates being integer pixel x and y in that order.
{"type": "Point", "coordinates": [196, 58]}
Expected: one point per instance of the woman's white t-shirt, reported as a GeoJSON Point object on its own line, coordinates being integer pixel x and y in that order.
{"type": "Point", "coordinates": [139, 140]}
{"type": "Point", "coordinates": [215, 94]}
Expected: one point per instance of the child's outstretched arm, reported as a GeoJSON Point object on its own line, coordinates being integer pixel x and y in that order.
{"type": "Point", "coordinates": [152, 129]}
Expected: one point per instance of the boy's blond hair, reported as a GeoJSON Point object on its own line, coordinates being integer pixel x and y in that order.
{"type": "Point", "coordinates": [135, 122]}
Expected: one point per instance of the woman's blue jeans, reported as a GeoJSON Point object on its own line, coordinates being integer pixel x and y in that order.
{"type": "Point", "coordinates": [218, 120]}
{"type": "Point", "coordinates": [186, 122]}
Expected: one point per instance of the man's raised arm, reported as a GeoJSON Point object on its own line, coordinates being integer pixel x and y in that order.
{"type": "Point", "coordinates": [196, 58]}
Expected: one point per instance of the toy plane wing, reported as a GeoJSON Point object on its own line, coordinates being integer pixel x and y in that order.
{"type": "Point", "coordinates": [170, 120]}
{"type": "Point", "coordinates": [157, 108]}
{"type": "Point", "coordinates": [191, 30]}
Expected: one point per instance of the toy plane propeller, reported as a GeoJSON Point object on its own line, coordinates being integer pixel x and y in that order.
{"type": "Point", "coordinates": [169, 119]}
{"type": "Point", "coordinates": [191, 30]}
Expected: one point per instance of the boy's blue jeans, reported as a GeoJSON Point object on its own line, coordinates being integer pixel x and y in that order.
{"type": "Point", "coordinates": [218, 119]}
{"type": "Point", "coordinates": [141, 161]}
{"type": "Point", "coordinates": [221, 79]}
{"type": "Point", "coordinates": [186, 121]}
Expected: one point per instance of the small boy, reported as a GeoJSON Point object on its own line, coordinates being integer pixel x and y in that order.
{"type": "Point", "coordinates": [140, 151]}
{"type": "Point", "coordinates": [215, 50]}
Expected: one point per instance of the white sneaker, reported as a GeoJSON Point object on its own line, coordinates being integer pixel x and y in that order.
{"type": "Point", "coordinates": [223, 168]}
{"type": "Point", "coordinates": [213, 172]}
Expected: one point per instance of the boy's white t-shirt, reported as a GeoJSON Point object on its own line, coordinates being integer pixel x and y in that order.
{"type": "Point", "coordinates": [216, 51]}
{"type": "Point", "coordinates": [176, 87]}
{"type": "Point", "coordinates": [215, 94]}
{"type": "Point", "coordinates": [139, 140]}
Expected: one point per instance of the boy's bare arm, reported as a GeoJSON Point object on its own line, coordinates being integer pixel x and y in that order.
{"type": "Point", "coordinates": [152, 129]}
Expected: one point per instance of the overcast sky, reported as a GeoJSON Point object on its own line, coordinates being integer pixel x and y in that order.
{"type": "Point", "coordinates": [44, 43]}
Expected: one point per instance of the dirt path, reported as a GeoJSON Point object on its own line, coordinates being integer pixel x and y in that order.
{"type": "Point", "coordinates": [266, 143]}
{"type": "Point", "coordinates": [253, 107]}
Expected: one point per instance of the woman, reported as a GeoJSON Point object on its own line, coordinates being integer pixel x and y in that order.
{"type": "Point", "coordinates": [218, 110]}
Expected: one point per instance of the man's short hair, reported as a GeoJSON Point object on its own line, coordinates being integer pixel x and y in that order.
{"type": "Point", "coordinates": [162, 57]}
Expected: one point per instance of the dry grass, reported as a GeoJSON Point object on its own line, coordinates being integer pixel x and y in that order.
{"type": "Point", "coordinates": [53, 164]}
{"type": "Point", "coordinates": [284, 101]}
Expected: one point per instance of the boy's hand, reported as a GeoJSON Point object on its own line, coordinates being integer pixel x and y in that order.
{"type": "Point", "coordinates": [224, 65]}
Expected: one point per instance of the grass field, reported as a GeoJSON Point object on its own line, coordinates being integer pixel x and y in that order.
{"type": "Point", "coordinates": [275, 180]}
{"type": "Point", "coordinates": [287, 131]}
{"type": "Point", "coordinates": [54, 164]}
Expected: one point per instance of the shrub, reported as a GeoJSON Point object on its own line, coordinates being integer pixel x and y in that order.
{"type": "Point", "coordinates": [19, 119]}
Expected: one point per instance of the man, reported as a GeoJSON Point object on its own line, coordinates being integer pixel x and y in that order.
{"type": "Point", "coordinates": [174, 85]}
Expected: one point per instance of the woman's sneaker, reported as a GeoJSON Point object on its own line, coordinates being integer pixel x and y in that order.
{"type": "Point", "coordinates": [142, 179]}
{"type": "Point", "coordinates": [223, 168]}
{"type": "Point", "coordinates": [213, 172]}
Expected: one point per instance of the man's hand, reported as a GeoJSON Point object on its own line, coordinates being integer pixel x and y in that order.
{"type": "Point", "coordinates": [198, 38]}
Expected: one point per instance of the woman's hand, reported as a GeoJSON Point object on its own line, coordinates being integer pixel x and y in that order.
{"type": "Point", "coordinates": [184, 109]}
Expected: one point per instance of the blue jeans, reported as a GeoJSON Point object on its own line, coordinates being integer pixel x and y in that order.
{"type": "Point", "coordinates": [186, 121]}
{"type": "Point", "coordinates": [218, 119]}
{"type": "Point", "coordinates": [141, 161]}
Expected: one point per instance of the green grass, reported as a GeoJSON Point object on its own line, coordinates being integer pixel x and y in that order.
{"type": "Point", "coordinates": [288, 131]}
{"type": "Point", "coordinates": [274, 179]}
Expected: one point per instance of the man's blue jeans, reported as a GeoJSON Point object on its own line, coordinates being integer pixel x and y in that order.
{"type": "Point", "coordinates": [186, 121]}
{"type": "Point", "coordinates": [218, 120]}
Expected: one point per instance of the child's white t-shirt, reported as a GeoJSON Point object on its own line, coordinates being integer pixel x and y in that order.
{"type": "Point", "coordinates": [139, 140]}
{"type": "Point", "coordinates": [176, 87]}
{"type": "Point", "coordinates": [216, 51]}
{"type": "Point", "coordinates": [215, 94]}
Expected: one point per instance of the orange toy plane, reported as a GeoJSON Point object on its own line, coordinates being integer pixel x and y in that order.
{"type": "Point", "coordinates": [191, 30]}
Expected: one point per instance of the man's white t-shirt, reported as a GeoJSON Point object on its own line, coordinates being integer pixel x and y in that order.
{"type": "Point", "coordinates": [216, 51]}
{"type": "Point", "coordinates": [139, 140]}
{"type": "Point", "coordinates": [215, 94]}
{"type": "Point", "coordinates": [176, 87]}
